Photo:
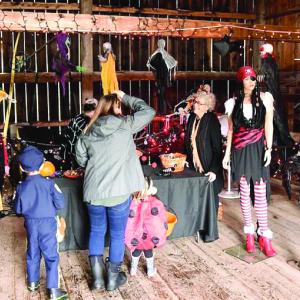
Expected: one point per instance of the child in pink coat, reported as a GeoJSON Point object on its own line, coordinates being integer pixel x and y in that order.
{"type": "Point", "coordinates": [146, 227]}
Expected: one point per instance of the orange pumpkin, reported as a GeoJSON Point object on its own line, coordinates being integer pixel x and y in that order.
{"type": "Point", "coordinates": [47, 169]}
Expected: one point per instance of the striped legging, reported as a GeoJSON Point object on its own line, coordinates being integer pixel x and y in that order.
{"type": "Point", "coordinates": [260, 203]}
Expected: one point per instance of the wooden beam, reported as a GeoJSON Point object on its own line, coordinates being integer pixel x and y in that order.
{"type": "Point", "coordinates": [286, 12]}
{"type": "Point", "coordinates": [86, 54]}
{"type": "Point", "coordinates": [124, 10]}
{"type": "Point", "coordinates": [177, 13]}
{"type": "Point", "coordinates": [38, 124]}
{"type": "Point", "coordinates": [44, 77]}
{"type": "Point", "coordinates": [286, 78]}
{"type": "Point", "coordinates": [4, 5]}
{"type": "Point", "coordinates": [86, 23]}
{"type": "Point", "coordinates": [260, 11]}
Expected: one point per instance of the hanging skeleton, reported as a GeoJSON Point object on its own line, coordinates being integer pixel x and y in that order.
{"type": "Point", "coordinates": [269, 75]}
{"type": "Point", "coordinates": [108, 70]}
{"type": "Point", "coordinates": [163, 65]}
{"type": "Point", "coordinates": [61, 63]}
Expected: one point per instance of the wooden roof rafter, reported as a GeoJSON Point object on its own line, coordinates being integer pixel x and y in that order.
{"type": "Point", "coordinates": [43, 77]}
{"type": "Point", "coordinates": [41, 6]}
{"type": "Point", "coordinates": [141, 26]}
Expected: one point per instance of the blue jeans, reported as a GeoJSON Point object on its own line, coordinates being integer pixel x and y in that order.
{"type": "Point", "coordinates": [116, 218]}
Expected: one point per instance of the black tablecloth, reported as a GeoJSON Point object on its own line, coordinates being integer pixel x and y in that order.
{"type": "Point", "coordinates": [188, 195]}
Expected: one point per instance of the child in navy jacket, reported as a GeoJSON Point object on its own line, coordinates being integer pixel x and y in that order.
{"type": "Point", "coordinates": [38, 199]}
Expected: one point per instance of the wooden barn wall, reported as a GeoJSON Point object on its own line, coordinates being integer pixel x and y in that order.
{"type": "Point", "coordinates": [287, 13]}
{"type": "Point", "coordinates": [45, 101]}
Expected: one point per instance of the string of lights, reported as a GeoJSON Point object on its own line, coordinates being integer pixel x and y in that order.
{"type": "Point", "coordinates": [107, 24]}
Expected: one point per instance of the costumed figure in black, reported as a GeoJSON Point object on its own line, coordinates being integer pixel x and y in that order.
{"type": "Point", "coordinates": [250, 136]}
{"type": "Point", "coordinates": [163, 65]}
{"type": "Point", "coordinates": [75, 129]}
{"type": "Point", "coordinates": [203, 142]}
{"type": "Point", "coordinates": [269, 75]}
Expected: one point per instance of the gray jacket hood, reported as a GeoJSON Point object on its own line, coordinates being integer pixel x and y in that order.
{"type": "Point", "coordinates": [106, 125]}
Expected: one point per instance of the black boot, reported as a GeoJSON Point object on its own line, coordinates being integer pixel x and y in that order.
{"type": "Point", "coordinates": [56, 294]}
{"type": "Point", "coordinates": [97, 268]}
{"type": "Point", "coordinates": [33, 286]}
{"type": "Point", "coordinates": [115, 278]}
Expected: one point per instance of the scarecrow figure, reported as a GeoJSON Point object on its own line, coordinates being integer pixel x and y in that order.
{"type": "Point", "coordinates": [163, 65]}
{"type": "Point", "coordinates": [108, 70]}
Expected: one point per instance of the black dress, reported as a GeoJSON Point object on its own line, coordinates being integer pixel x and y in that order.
{"type": "Point", "coordinates": [249, 160]}
{"type": "Point", "coordinates": [209, 146]}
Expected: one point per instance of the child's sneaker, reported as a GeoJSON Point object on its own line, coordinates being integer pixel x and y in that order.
{"type": "Point", "coordinates": [134, 264]}
{"type": "Point", "coordinates": [33, 286]}
{"type": "Point", "coordinates": [151, 270]}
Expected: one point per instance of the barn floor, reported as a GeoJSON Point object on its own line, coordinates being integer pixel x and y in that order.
{"type": "Point", "coordinates": [186, 270]}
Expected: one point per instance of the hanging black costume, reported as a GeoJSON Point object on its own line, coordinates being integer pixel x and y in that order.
{"type": "Point", "coordinates": [269, 70]}
{"type": "Point", "coordinates": [162, 65]}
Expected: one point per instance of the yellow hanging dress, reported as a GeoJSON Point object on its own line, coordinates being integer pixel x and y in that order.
{"type": "Point", "coordinates": [108, 75]}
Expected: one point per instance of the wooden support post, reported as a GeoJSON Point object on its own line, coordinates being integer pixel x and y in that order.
{"type": "Point", "coordinates": [259, 19]}
{"type": "Point", "coordinates": [86, 54]}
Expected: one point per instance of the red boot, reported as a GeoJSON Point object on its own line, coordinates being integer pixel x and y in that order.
{"type": "Point", "coordinates": [266, 246]}
{"type": "Point", "coordinates": [250, 246]}
{"type": "Point", "coordinates": [265, 243]}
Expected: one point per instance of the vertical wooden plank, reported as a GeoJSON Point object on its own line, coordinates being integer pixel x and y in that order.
{"type": "Point", "coordinates": [86, 50]}
{"type": "Point", "coordinates": [260, 19]}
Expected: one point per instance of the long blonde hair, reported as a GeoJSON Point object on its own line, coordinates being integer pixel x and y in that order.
{"type": "Point", "coordinates": [105, 107]}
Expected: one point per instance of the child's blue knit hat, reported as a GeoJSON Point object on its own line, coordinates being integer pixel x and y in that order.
{"type": "Point", "coordinates": [31, 158]}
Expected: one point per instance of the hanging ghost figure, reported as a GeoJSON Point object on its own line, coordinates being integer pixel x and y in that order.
{"type": "Point", "coordinates": [269, 75]}
{"type": "Point", "coordinates": [61, 63]}
{"type": "Point", "coordinates": [108, 69]}
{"type": "Point", "coordinates": [163, 65]}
